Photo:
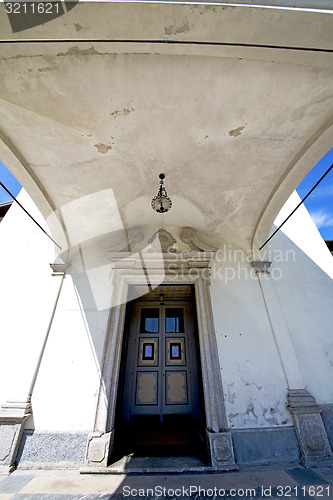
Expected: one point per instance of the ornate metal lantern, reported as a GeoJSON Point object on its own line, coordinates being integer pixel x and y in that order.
{"type": "Point", "coordinates": [161, 203]}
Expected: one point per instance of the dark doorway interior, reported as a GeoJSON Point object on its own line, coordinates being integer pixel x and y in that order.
{"type": "Point", "coordinates": [147, 436]}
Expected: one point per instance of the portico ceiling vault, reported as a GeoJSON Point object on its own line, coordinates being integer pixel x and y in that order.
{"type": "Point", "coordinates": [235, 109]}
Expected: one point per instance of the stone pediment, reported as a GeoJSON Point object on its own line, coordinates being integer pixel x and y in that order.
{"type": "Point", "coordinates": [189, 237]}
{"type": "Point", "coordinates": [161, 241]}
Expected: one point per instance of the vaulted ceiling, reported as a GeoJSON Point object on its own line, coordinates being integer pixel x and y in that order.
{"type": "Point", "coordinates": [234, 104]}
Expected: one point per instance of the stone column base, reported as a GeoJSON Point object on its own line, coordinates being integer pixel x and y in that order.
{"type": "Point", "coordinates": [99, 447]}
{"type": "Point", "coordinates": [13, 416]}
{"type": "Point", "coordinates": [311, 433]}
{"type": "Point", "coordinates": [221, 450]}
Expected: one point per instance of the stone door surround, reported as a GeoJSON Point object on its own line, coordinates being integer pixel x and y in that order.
{"type": "Point", "coordinates": [177, 268]}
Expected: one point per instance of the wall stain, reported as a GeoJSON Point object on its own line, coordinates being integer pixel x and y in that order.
{"type": "Point", "coordinates": [103, 148]}
{"type": "Point", "coordinates": [122, 112]}
{"type": "Point", "coordinates": [271, 419]}
{"type": "Point", "coordinates": [250, 409]}
{"type": "Point", "coordinates": [49, 68]}
{"type": "Point", "coordinates": [210, 7]}
{"type": "Point", "coordinates": [173, 30]}
{"type": "Point", "coordinates": [236, 132]}
{"type": "Point", "coordinates": [259, 387]}
{"type": "Point", "coordinates": [76, 51]}
{"type": "Point", "coordinates": [231, 396]}
{"type": "Point", "coordinates": [77, 26]}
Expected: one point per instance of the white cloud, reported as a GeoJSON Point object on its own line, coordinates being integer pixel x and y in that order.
{"type": "Point", "coordinates": [322, 218]}
{"type": "Point", "coordinates": [323, 191]}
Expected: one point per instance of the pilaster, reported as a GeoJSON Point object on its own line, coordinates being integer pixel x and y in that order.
{"type": "Point", "coordinates": [100, 440]}
{"type": "Point", "coordinates": [311, 434]}
{"type": "Point", "coordinates": [279, 326]}
{"type": "Point", "coordinates": [218, 438]}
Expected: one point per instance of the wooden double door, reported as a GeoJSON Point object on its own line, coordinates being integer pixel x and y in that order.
{"type": "Point", "coordinates": [161, 374]}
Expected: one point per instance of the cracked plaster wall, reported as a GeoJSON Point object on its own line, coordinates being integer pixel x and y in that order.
{"type": "Point", "coordinates": [253, 381]}
{"type": "Point", "coordinates": [254, 384]}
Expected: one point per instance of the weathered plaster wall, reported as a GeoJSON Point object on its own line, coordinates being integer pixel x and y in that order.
{"type": "Point", "coordinates": [253, 380]}
{"type": "Point", "coordinates": [254, 384]}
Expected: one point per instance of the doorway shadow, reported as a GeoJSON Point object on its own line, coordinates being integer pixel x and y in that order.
{"type": "Point", "coordinates": [147, 436]}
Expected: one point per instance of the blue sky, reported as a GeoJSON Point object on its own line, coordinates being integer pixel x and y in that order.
{"type": "Point", "coordinates": [10, 182]}
{"type": "Point", "coordinates": [319, 203]}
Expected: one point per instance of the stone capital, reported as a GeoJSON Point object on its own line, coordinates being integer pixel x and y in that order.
{"type": "Point", "coordinates": [261, 266]}
{"type": "Point", "coordinates": [60, 268]}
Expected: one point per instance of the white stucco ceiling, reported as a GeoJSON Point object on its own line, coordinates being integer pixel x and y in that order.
{"type": "Point", "coordinates": [235, 109]}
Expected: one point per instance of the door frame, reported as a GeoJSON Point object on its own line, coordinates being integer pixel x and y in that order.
{"type": "Point", "coordinates": [150, 269]}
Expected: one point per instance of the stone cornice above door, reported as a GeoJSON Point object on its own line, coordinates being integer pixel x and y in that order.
{"type": "Point", "coordinates": [161, 267]}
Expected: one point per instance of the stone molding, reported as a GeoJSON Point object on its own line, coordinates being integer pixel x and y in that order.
{"type": "Point", "coordinates": [189, 237]}
{"type": "Point", "coordinates": [13, 416]}
{"type": "Point", "coordinates": [193, 269]}
{"type": "Point", "coordinates": [183, 267]}
{"type": "Point", "coordinates": [311, 433]}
